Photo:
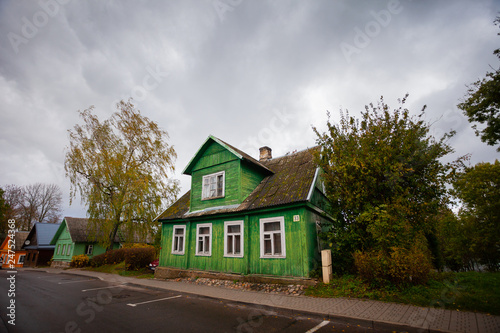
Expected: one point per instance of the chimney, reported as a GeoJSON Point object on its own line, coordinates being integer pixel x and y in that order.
{"type": "Point", "coordinates": [265, 153]}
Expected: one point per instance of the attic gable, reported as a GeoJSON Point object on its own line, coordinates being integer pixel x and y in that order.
{"type": "Point", "coordinates": [215, 151]}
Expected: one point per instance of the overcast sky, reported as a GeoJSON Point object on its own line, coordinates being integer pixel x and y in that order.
{"type": "Point", "coordinates": [252, 73]}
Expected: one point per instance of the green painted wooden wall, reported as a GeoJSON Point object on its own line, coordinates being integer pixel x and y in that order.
{"type": "Point", "coordinates": [240, 178]}
{"type": "Point", "coordinates": [300, 239]}
{"type": "Point", "coordinates": [250, 179]}
{"type": "Point", "coordinates": [76, 248]}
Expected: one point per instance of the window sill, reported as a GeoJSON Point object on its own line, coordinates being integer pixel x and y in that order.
{"type": "Point", "coordinates": [233, 256]}
{"type": "Point", "coordinates": [178, 253]}
{"type": "Point", "coordinates": [203, 255]}
{"type": "Point", "coordinates": [212, 198]}
{"type": "Point", "coordinates": [272, 257]}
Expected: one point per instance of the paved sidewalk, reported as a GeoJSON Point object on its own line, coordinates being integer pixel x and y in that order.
{"type": "Point", "coordinates": [375, 314]}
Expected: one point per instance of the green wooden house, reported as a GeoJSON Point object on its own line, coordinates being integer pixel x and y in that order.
{"type": "Point", "coordinates": [246, 216]}
{"type": "Point", "coordinates": [72, 238]}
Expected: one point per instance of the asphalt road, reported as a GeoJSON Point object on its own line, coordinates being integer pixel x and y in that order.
{"type": "Point", "coordinates": [67, 303]}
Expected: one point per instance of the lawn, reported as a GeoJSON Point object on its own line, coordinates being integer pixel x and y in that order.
{"type": "Point", "coordinates": [144, 273]}
{"type": "Point", "coordinates": [469, 291]}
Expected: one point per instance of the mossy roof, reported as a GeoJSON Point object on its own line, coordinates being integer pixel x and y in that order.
{"type": "Point", "coordinates": [290, 182]}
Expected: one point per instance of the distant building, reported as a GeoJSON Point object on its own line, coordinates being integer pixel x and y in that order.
{"type": "Point", "coordinates": [15, 244]}
{"type": "Point", "coordinates": [39, 251]}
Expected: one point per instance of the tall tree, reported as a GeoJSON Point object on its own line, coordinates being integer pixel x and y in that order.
{"type": "Point", "coordinates": [120, 167]}
{"type": "Point", "coordinates": [482, 104]}
{"type": "Point", "coordinates": [44, 202]}
{"type": "Point", "coordinates": [4, 208]}
{"type": "Point", "coordinates": [34, 203]}
{"type": "Point", "coordinates": [478, 188]}
{"type": "Point", "coordinates": [384, 175]}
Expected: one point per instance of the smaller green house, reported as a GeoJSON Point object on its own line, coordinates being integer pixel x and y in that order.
{"type": "Point", "coordinates": [72, 238]}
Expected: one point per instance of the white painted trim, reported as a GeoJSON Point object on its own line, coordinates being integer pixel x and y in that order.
{"type": "Point", "coordinates": [280, 219]}
{"type": "Point", "coordinates": [242, 243]}
{"type": "Point", "coordinates": [202, 225]}
{"type": "Point", "coordinates": [223, 173]}
{"type": "Point", "coordinates": [183, 227]}
{"type": "Point", "coordinates": [211, 209]}
{"type": "Point", "coordinates": [311, 189]}
{"type": "Point", "coordinates": [23, 256]}
{"type": "Point", "coordinates": [89, 249]}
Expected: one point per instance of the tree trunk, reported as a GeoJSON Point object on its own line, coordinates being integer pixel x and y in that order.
{"type": "Point", "coordinates": [112, 237]}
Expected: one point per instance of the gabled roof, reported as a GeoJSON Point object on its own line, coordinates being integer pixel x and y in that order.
{"type": "Point", "coordinates": [235, 151]}
{"type": "Point", "coordinates": [19, 237]}
{"type": "Point", "coordinates": [78, 230]}
{"type": "Point", "coordinates": [291, 180]}
{"type": "Point", "coordinates": [40, 236]}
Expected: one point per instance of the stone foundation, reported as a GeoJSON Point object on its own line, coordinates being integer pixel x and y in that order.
{"type": "Point", "coordinates": [174, 273]}
{"type": "Point", "coordinates": [60, 264]}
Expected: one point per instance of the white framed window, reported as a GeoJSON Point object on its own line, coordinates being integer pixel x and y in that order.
{"type": "Point", "coordinates": [21, 259]}
{"type": "Point", "coordinates": [89, 249]}
{"type": "Point", "coordinates": [272, 237]}
{"type": "Point", "coordinates": [233, 239]}
{"type": "Point", "coordinates": [64, 249]}
{"type": "Point", "coordinates": [213, 185]}
{"type": "Point", "coordinates": [59, 249]}
{"type": "Point", "coordinates": [204, 239]}
{"type": "Point", "coordinates": [68, 250]}
{"type": "Point", "coordinates": [179, 239]}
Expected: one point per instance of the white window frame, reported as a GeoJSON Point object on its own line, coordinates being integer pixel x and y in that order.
{"type": "Point", "coordinates": [89, 249]}
{"type": "Point", "coordinates": [58, 249]}
{"type": "Point", "coordinates": [205, 192]}
{"type": "Point", "coordinates": [174, 250]}
{"type": "Point", "coordinates": [68, 250]}
{"type": "Point", "coordinates": [281, 220]}
{"type": "Point", "coordinates": [198, 252]}
{"type": "Point", "coordinates": [23, 257]}
{"type": "Point", "coordinates": [63, 250]}
{"type": "Point", "coordinates": [226, 234]}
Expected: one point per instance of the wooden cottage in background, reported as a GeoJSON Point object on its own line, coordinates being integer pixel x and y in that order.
{"type": "Point", "coordinates": [37, 245]}
{"type": "Point", "coordinates": [73, 238]}
{"type": "Point", "coordinates": [245, 216]}
{"type": "Point", "coordinates": [15, 244]}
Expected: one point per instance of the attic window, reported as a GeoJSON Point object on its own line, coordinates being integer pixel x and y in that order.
{"type": "Point", "coordinates": [213, 186]}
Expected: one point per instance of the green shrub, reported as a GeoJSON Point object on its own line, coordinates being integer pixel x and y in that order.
{"type": "Point", "coordinates": [400, 267]}
{"type": "Point", "coordinates": [108, 258]}
{"type": "Point", "coordinates": [139, 257]}
{"type": "Point", "coordinates": [79, 261]}
{"type": "Point", "coordinates": [97, 261]}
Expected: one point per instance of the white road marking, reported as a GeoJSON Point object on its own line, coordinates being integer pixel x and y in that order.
{"type": "Point", "coordinates": [120, 285]}
{"type": "Point", "coordinates": [317, 327]}
{"type": "Point", "coordinates": [154, 300]}
{"type": "Point", "coordinates": [75, 281]}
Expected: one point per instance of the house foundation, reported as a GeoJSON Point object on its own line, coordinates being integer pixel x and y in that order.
{"type": "Point", "coordinates": [174, 273]}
